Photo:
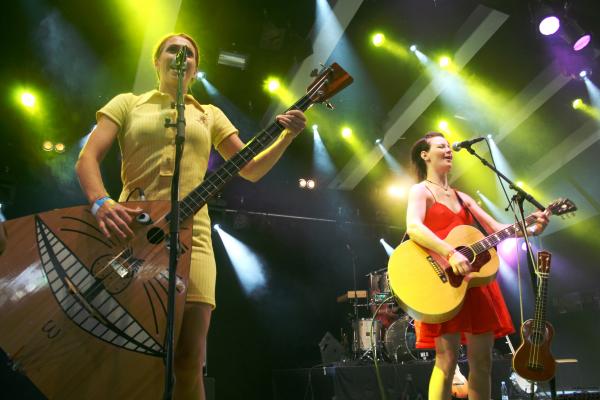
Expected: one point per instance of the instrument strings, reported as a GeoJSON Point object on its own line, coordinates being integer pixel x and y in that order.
{"type": "Point", "coordinates": [162, 223]}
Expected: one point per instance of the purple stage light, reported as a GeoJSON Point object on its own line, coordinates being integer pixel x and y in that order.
{"type": "Point", "coordinates": [582, 42]}
{"type": "Point", "coordinates": [549, 25]}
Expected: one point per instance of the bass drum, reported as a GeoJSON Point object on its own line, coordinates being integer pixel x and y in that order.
{"type": "Point", "coordinates": [400, 341]}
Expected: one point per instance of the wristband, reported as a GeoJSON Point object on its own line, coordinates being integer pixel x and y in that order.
{"type": "Point", "coordinates": [450, 254]}
{"type": "Point", "coordinates": [98, 203]}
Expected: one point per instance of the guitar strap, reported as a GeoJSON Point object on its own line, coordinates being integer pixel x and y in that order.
{"type": "Point", "coordinates": [468, 210]}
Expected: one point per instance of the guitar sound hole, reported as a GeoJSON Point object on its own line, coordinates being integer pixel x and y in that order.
{"type": "Point", "coordinates": [155, 235]}
{"type": "Point", "coordinates": [467, 252]}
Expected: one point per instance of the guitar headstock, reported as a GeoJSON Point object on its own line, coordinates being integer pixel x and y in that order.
{"type": "Point", "coordinates": [543, 259]}
{"type": "Point", "coordinates": [331, 80]}
{"type": "Point", "coordinates": [562, 206]}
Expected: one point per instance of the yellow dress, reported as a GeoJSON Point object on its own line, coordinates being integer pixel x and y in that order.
{"type": "Point", "coordinates": [147, 161]}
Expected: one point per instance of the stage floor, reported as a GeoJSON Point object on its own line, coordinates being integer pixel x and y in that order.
{"type": "Point", "coordinates": [352, 381]}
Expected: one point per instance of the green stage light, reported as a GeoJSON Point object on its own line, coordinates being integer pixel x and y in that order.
{"type": "Point", "coordinates": [346, 132]}
{"type": "Point", "coordinates": [444, 61]}
{"type": "Point", "coordinates": [378, 39]}
{"type": "Point", "coordinates": [28, 99]}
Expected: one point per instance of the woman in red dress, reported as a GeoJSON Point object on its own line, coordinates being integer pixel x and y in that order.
{"type": "Point", "coordinates": [434, 209]}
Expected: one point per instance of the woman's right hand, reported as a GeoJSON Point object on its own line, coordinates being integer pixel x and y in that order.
{"type": "Point", "coordinates": [459, 263]}
{"type": "Point", "coordinates": [114, 217]}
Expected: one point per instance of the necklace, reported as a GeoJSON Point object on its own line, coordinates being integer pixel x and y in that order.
{"type": "Point", "coordinates": [437, 184]}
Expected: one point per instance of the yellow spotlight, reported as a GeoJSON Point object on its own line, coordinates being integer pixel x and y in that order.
{"type": "Point", "coordinates": [302, 183]}
{"type": "Point", "coordinates": [520, 184]}
{"type": "Point", "coordinates": [443, 125]}
{"type": "Point", "coordinates": [310, 184]}
{"type": "Point", "coordinates": [378, 39]}
{"type": "Point", "coordinates": [346, 132]}
{"type": "Point", "coordinates": [28, 99]}
{"type": "Point", "coordinates": [272, 84]}
{"type": "Point", "coordinates": [47, 146]}
{"type": "Point", "coordinates": [577, 103]}
{"type": "Point", "coordinates": [444, 61]}
{"type": "Point", "coordinates": [59, 147]}
{"type": "Point", "coordinates": [396, 191]}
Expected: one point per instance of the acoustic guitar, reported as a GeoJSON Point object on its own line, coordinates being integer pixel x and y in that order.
{"type": "Point", "coordinates": [533, 359]}
{"type": "Point", "coordinates": [83, 316]}
{"type": "Point", "coordinates": [423, 281]}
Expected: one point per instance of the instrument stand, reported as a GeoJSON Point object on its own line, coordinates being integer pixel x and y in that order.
{"type": "Point", "coordinates": [520, 198]}
{"type": "Point", "coordinates": [180, 65]}
{"type": "Point", "coordinates": [355, 302]}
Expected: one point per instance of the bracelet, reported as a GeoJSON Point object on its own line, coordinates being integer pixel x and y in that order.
{"type": "Point", "coordinates": [450, 254]}
{"type": "Point", "coordinates": [98, 203]}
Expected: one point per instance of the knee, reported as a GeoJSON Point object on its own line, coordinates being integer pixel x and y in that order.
{"type": "Point", "coordinates": [480, 361]}
{"type": "Point", "coordinates": [446, 361]}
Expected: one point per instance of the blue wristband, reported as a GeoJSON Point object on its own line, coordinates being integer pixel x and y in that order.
{"type": "Point", "coordinates": [98, 203]}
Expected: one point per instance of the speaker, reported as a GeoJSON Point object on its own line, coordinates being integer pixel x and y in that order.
{"type": "Point", "coordinates": [331, 350]}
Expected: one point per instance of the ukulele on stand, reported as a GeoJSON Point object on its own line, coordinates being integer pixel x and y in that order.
{"type": "Point", "coordinates": [522, 384]}
{"type": "Point", "coordinates": [533, 359]}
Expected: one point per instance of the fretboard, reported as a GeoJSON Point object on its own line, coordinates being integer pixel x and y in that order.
{"type": "Point", "coordinates": [198, 197]}
{"type": "Point", "coordinates": [539, 319]}
{"type": "Point", "coordinates": [495, 238]}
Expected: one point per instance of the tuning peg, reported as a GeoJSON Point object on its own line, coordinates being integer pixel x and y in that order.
{"type": "Point", "coordinates": [314, 73]}
{"type": "Point", "coordinates": [329, 105]}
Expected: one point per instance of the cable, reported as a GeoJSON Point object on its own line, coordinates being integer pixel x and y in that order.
{"type": "Point", "coordinates": [382, 393]}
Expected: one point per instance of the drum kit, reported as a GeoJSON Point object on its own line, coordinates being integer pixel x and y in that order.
{"type": "Point", "coordinates": [387, 333]}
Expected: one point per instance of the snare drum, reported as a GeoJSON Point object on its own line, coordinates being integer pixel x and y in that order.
{"type": "Point", "coordinates": [362, 334]}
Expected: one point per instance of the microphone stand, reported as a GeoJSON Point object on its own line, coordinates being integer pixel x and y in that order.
{"type": "Point", "coordinates": [180, 66]}
{"type": "Point", "coordinates": [355, 338]}
{"type": "Point", "coordinates": [518, 198]}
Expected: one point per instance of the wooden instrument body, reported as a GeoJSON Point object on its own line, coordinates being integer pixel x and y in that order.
{"type": "Point", "coordinates": [543, 366]}
{"type": "Point", "coordinates": [83, 316]}
{"type": "Point", "coordinates": [424, 283]}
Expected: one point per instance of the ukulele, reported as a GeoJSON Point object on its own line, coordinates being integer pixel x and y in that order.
{"type": "Point", "coordinates": [533, 359]}
{"type": "Point", "coordinates": [522, 384]}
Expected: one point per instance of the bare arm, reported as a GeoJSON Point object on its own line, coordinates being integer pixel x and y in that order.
{"type": "Point", "coordinates": [491, 225]}
{"type": "Point", "coordinates": [111, 216]}
{"type": "Point", "coordinates": [422, 235]}
{"type": "Point", "coordinates": [92, 154]}
{"type": "Point", "coordinates": [415, 215]}
{"type": "Point", "coordinates": [294, 121]}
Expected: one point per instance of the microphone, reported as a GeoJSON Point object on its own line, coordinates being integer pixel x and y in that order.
{"type": "Point", "coordinates": [180, 60]}
{"type": "Point", "coordinates": [457, 146]}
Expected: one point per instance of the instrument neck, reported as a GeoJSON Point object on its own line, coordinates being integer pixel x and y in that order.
{"type": "Point", "coordinates": [215, 181]}
{"type": "Point", "coordinates": [495, 238]}
{"type": "Point", "coordinates": [539, 319]}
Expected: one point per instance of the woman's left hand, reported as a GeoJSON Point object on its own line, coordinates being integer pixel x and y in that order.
{"type": "Point", "coordinates": [294, 121]}
{"type": "Point", "coordinates": [540, 224]}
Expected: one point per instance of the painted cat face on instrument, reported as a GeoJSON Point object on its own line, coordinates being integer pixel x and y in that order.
{"type": "Point", "coordinates": [439, 155]}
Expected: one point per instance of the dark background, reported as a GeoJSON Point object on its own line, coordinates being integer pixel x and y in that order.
{"type": "Point", "coordinates": [77, 55]}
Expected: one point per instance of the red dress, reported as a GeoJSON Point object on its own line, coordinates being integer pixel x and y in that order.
{"type": "Point", "coordinates": [484, 309]}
